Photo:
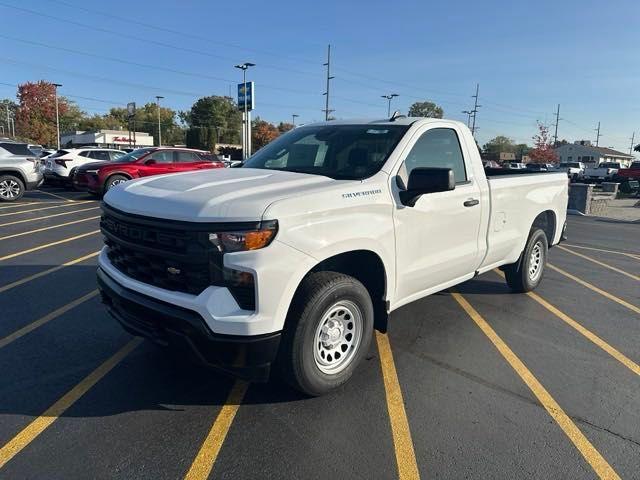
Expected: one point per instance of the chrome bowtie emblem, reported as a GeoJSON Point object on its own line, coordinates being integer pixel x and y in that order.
{"type": "Point", "coordinates": [173, 270]}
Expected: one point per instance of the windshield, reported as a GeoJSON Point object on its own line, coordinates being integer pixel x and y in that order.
{"type": "Point", "coordinates": [345, 152]}
{"type": "Point", "coordinates": [133, 156]}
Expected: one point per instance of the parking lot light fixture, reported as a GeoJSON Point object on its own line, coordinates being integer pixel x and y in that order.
{"type": "Point", "coordinates": [293, 118]}
{"type": "Point", "coordinates": [389, 97]}
{"type": "Point", "coordinates": [55, 90]}
{"type": "Point", "coordinates": [158, 98]}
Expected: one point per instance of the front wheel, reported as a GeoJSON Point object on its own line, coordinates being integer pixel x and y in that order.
{"type": "Point", "coordinates": [329, 330]}
{"type": "Point", "coordinates": [113, 181]}
{"type": "Point", "coordinates": [526, 274]}
{"type": "Point", "coordinates": [11, 188]}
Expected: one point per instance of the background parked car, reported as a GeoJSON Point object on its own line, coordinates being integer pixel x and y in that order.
{"type": "Point", "coordinates": [60, 166]}
{"type": "Point", "coordinates": [537, 167]}
{"type": "Point", "coordinates": [99, 177]}
{"type": "Point", "coordinates": [602, 173]}
{"type": "Point", "coordinates": [19, 171]}
{"type": "Point", "coordinates": [575, 170]}
{"type": "Point", "coordinates": [515, 166]}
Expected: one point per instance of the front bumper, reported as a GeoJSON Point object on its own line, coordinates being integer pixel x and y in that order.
{"type": "Point", "coordinates": [248, 357]}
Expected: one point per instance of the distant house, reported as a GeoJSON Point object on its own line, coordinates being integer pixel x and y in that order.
{"type": "Point", "coordinates": [592, 156]}
{"type": "Point", "coordinates": [507, 156]}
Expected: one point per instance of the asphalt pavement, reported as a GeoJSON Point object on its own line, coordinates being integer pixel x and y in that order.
{"type": "Point", "coordinates": [475, 382]}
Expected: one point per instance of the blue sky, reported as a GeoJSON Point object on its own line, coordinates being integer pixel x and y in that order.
{"type": "Point", "coordinates": [526, 56]}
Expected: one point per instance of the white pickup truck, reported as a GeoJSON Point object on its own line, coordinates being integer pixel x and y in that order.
{"type": "Point", "coordinates": [602, 173]}
{"type": "Point", "coordinates": [293, 259]}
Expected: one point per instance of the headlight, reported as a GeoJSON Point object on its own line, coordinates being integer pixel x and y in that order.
{"type": "Point", "coordinates": [242, 240]}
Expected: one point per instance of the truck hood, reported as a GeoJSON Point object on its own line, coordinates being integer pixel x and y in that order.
{"type": "Point", "coordinates": [229, 194]}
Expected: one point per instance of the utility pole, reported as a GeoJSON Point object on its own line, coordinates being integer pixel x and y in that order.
{"type": "Point", "coordinates": [598, 134]}
{"type": "Point", "coordinates": [555, 135]}
{"type": "Point", "coordinates": [55, 89]}
{"type": "Point", "coordinates": [389, 97]}
{"type": "Point", "coordinates": [8, 122]}
{"type": "Point", "coordinates": [475, 109]}
{"type": "Point", "coordinates": [158, 98]}
{"type": "Point", "coordinates": [633, 137]}
{"type": "Point", "coordinates": [293, 118]}
{"type": "Point", "coordinates": [326, 110]}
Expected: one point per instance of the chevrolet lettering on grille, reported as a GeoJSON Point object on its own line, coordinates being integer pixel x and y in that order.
{"type": "Point", "coordinates": [140, 235]}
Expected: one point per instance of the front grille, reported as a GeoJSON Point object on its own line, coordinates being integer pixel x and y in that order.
{"type": "Point", "coordinates": [161, 253]}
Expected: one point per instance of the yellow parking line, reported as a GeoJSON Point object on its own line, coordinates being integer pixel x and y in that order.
{"type": "Point", "coordinates": [54, 195]}
{"type": "Point", "coordinates": [586, 449]}
{"type": "Point", "coordinates": [602, 264]}
{"type": "Point", "coordinates": [632, 255]}
{"type": "Point", "coordinates": [47, 245]}
{"type": "Point", "coordinates": [24, 204]}
{"type": "Point", "coordinates": [47, 318]}
{"type": "Point", "coordinates": [48, 228]}
{"type": "Point", "coordinates": [206, 457]}
{"type": "Point", "coordinates": [40, 424]}
{"type": "Point", "coordinates": [45, 208]}
{"type": "Point", "coordinates": [24, 280]}
{"type": "Point", "coordinates": [47, 216]}
{"type": "Point", "coordinates": [622, 358]}
{"type": "Point", "coordinates": [608, 295]}
{"type": "Point", "coordinates": [402, 442]}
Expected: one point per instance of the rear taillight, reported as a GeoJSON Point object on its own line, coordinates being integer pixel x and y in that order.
{"type": "Point", "coordinates": [62, 163]}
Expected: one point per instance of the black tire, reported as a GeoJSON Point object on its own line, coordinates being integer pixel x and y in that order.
{"type": "Point", "coordinates": [114, 180]}
{"type": "Point", "coordinates": [11, 188]}
{"type": "Point", "coordinates": [319, 294]}
{"type": "Point", "coordinates": [524, 276]}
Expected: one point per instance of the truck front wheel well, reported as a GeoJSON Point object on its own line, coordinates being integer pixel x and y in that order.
{"type": "Point", "coordinates": [547, 222]}
{"type": "Point", "coordinates": [366, 267]}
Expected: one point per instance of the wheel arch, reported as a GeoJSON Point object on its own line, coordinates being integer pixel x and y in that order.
{"type": "Point", "coordinates": [547, 222]}
{"type": "Point", "coordinates": [367, 267]}
{"type": "Point", "coordinates": [15, 173]}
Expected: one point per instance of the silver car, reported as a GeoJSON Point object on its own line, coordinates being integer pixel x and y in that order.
{"type": "Point", "coordinates": [19, 170]}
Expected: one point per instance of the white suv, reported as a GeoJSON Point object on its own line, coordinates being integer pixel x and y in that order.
{"type": "Point", "coordinates": [60, 166]}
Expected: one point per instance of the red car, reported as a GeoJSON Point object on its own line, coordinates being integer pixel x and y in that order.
{"type": "Point", "coordinates": [99, 177]}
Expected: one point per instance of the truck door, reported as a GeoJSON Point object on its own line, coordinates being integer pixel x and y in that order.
{"type": "Point", "coordinates": [437, 239]}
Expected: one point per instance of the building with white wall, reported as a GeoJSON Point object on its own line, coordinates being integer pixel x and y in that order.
{"type": "Point", "coordinates": [592, 156]}
{"type": "Point", "coordinates": [107, 139]}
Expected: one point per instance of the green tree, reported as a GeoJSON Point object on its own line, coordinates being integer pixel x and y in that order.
{"type": "Point", "coordinates": [498, 145]}
{"type": "Point", "coordinates": [101, 122]}
{"type": "Point", "coordinates": [218, 113]}
{"type": "Point", "coordinates": [72, 117]}
{"type": "Point", "coordinates": [521, 150]}
{"type": "Point", "coordinates": [426, 109]}
{"type": "Point", "coordinates": [146, 120]}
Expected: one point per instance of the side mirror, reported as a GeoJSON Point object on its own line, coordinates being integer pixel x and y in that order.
{"type": "Point", "coordinates": [427, 180]}
{"type": "Point", "coordinates": [151, 161]}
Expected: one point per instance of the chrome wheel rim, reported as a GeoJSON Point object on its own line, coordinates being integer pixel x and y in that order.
{"type": "Point", "coordinates": [9, 189]}
{"type": "Point", "coordinates": [338, 337]}
{"type": "Point", "coordinates": [536, 261]}
{"type": "Point", "coordinates": [117, 182]}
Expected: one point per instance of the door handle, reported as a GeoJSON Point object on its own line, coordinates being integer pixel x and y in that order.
{"type": "Point", "coordinates": [472, 202]}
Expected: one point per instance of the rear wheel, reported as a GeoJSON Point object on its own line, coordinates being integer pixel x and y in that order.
{"type": "Point", "coordinates": [526, 274]}
{"type": "Point", "coordinates": [330, 325]}
{"type": "Point", "coordinates": [11, 188]}
{"type": "Point", "coordinates": [113, 181]}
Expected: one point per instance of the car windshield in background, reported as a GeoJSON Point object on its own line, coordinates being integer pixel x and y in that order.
{"type": "Point", "coordinates": [133, 156]}
{"type": "Point", "coordinates": [342, 152]}
{"type": "Point", "coordinates": [17, 149]}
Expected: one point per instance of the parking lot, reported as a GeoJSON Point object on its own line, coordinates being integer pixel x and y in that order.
{"type": "Point", "coordinates": [474, 382]}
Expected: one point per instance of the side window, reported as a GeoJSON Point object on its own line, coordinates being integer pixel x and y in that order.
{"type": "Point", "coordinates": [85, 153]}
{"type": "Point", "coordinates": [187, 157]}
{"type": "Point", "coordinates": [163, 156]}
{"type": "Point", "coordinates": [116, 155]}
{"type": "Point", "coordinates": [440, 148]}
{"type": "Point", "coordinates": [99, 155]}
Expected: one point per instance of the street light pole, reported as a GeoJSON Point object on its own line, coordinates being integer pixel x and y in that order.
{"type": "Point", "coordinates": [389, 97]}
{"type": "Point", "coordinates": [55, 89]}
{"type": "Point", "coordinates": [293, 118]}
{"type": "Point", "coordinates": [158, 98]}
{"type": "Point", "coordinates": [246, 132]}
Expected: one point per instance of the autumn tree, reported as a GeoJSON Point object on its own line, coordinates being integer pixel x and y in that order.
{"type": "Point", "coordinates": [543, 151]}
{"type": "Point", "coordinates": [426, 109]}
{"type": "Point", "coordinates": [36, 115]}
{"type": "Point", "coordinates": [284, 127]}
{"type": "Point", "coordinates": [262, 133]}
